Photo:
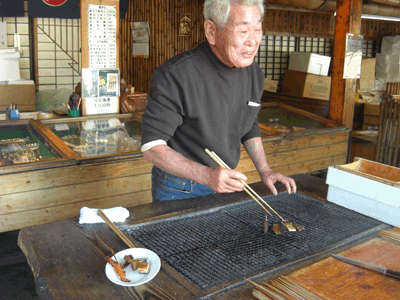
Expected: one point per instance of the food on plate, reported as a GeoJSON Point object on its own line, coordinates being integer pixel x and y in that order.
{"type": "Point", "coordinates": [127, 261]}
{"type": "Point", "coordinates": [135, 264]}
{"type": "Point", "coordinates": [143, 268]}
{"type": "Point", "coordinates": [118, 269]}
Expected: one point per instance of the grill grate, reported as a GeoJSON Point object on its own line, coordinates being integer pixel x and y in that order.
{"type": "Point", "coordinates": [216, 246]}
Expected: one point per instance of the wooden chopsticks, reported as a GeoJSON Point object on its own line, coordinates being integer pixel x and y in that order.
{"type": "Point", "coordinates": [247, 188]}
{"type": "Point", "coordinates": [123, 237]}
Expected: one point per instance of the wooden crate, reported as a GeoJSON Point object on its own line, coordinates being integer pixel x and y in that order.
{"type": "Point", "coordinates": [140, 100]}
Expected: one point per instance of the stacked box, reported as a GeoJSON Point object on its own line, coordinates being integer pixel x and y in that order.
{"type": "Point", "coordinates": [9, 64]}
{"type": "Point", "coordinates": [309, 63]}
{"type": "Point", "coordinates": [367, 187]}
{"type": "Point", "coordinates": [372, 114]}
{"type": "Point", "coordinates": [307, 76]}
{"type": "Point", "coordinates": [367, 76]}
{"type": "Point", "coordinates": [307, 85]}
{"type": "Point", "coordinates": [391, 44]}
{"type": "Point", "coordinates": [20, 92]}
{"type": "Point", "coordinates": [270, 85]}
{"type": "Point", "coordinates": [388, 67]}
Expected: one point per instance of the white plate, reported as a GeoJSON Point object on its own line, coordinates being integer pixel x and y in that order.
{"type": "Point", "coordinates": [134, 276]}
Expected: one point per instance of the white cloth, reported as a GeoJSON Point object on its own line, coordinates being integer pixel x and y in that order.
{"type": "Point", "coordinates": [115, 214]}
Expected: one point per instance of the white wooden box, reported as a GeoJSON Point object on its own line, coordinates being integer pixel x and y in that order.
{"type": "Point", "coordinates": [367, 187]}
{"type": "Point", "coordinates": [9, 64]}
{"type": "Point", "coordinates": [309, 63]}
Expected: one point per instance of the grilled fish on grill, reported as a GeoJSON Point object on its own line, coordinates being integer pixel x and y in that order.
{"type": "Point", "coordinates": [265, 224]}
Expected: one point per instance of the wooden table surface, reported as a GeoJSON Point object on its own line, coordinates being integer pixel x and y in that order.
{"type": "Point", "coordinates": [67, 259]}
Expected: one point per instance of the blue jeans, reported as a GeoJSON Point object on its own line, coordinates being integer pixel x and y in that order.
{"type": "Point", "coordinates": [165, 186]}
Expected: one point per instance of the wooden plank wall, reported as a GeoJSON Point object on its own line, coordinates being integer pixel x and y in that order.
{"type": "Point", "coordinates": [164, 15]}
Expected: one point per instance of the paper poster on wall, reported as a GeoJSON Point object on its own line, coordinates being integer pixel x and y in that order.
{"type": "Point", "coordinates": [106, 105]}
{"type": "Point", "coordinates": [101, 89]}
{"type": "Point", "coordinates": [353, 56]}
{"type": "Point", "coordinates": [102, 36]}
{"type": "Point", "coordinates": [141, 39]}
{"type": "Point", "coordinates": [100, 82]}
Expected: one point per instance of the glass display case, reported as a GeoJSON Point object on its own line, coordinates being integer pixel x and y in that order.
{"type": "Point", "coordinates": [98, 136]}
{"type": "Point", "coordinates": [21, 143]}
{"type": "Point", "coordinates": [280, 119]}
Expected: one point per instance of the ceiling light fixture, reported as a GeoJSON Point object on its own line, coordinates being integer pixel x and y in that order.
{"type": "Point", "coordinates": [382, 18]}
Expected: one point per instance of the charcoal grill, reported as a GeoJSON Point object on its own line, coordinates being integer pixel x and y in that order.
{"type": "Point", "coordinates": [217, 247]}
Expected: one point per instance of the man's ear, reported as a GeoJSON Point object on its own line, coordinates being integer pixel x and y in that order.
{"type": "Point", "coordinates": [210, 30]}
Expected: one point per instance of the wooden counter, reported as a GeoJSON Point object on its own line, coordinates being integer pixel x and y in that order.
{"type": "Point", "coordinates": [67, 258]}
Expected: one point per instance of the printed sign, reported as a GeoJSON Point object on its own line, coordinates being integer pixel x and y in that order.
{"type": "Point", "coordinates": [100, 89]}
{"type": "Point", "coordinates": [102, 36]}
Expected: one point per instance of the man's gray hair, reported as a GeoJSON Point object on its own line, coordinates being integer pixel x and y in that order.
{"type": "Point", "coordinates": [218, 10]}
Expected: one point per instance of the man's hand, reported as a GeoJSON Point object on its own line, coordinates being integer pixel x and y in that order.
{"type": "Point", "coordinates": [270, 178]}
{"type": "Point", "coordinates": [223, 180]}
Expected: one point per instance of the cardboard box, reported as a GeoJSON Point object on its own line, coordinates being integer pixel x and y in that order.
{"type": "Point", "coordinates": [368, 187]}
{"type": "Point", "coordinates": [270, 85]}
{"type": "Point", "coordinates": [21, 94]}
{"type": "Point", "coordinates": [374, 120]}
{"type": "Point", "coordinates": [367, 126]}
{"type": "Point", "coordinates": [306, 85]}
{"type": "Point", "coordinates": [372, 97]}
{"type": "Point", "coordinates": [309, 63]}
{"type": "Point", "coordinates": [372, 109]}
{"type": "Point", "coordinates": [390, 44]}
{"type": "Point", "coordinates": [371, 116]}
{"type": "Point", "coordinates": [387, 67]}
{"type": "Point", "coordinates": [367, 76]}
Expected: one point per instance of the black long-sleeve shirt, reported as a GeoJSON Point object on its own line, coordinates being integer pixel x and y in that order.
{"type": "Point", "coordinates": [197, 102]}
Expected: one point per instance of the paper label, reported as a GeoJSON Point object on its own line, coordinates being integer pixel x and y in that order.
{"type": "Point", "coordinates": [61, 127]}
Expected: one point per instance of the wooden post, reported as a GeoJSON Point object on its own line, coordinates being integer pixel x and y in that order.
{"type": "Point", "coordinates": [343, 91]}
{"type": "Point", "coordinates": [85, 35]}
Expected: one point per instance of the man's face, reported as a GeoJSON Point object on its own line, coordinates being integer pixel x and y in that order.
{"type": "Point", "coordinates": [237, 44]}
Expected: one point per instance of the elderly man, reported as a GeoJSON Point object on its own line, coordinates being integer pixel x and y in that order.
{"type": "Point", "coordinates": [209, 97]}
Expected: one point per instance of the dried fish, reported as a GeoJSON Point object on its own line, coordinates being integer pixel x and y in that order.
{"type": "Point", "coordinates": [141, 259]}
{"type": "Point", "coordinates": [265, 224]}
{"type": "Point", "coordinates": [298, 227]}
{"type": "Point", "coordinates": [278, 229]}
{"type": "Point", "coordinates": [135, 264]}
{"type": "Point", "coordinates": [288, 225]}
{"type": "Point", "coordinates": [127, 260]}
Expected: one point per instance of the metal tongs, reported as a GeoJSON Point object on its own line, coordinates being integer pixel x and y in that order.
{"type": "Point", "coordinates": [285, 223]}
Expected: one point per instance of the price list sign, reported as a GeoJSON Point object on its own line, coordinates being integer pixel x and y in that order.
{"type": "Point", "coordinates": [102, 36]}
